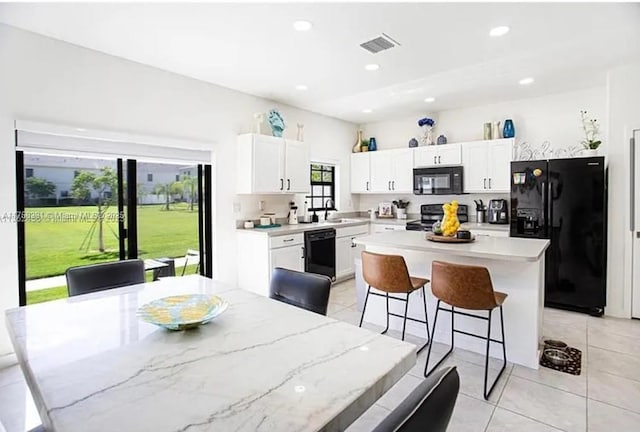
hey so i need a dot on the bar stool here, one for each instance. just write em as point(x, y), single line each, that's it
point(388, 273)
point(467, 287)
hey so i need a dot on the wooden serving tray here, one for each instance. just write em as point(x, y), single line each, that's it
point(443, 239)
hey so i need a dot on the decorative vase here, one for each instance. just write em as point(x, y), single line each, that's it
point(357, 147)
point(509, 130)
point(413, 142)
point(276, 121)
point(495, 131)
point(442, 140)
point(427, 139)
point(300, 135)
point(486, 131)
point(372, 144)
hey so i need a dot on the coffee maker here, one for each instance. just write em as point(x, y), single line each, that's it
point(497, 213)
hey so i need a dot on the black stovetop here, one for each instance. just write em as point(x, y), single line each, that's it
point(430, 213)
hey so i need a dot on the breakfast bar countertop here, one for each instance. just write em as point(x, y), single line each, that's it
point(501, 248)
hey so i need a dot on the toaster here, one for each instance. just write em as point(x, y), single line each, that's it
point(497, 212)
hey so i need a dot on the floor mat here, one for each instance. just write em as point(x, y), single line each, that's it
point(574, 366)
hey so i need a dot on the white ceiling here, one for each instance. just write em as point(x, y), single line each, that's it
point(446, 50)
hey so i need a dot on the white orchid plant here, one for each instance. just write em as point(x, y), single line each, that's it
point(591, 129)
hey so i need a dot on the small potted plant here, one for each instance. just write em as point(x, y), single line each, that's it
point(401, 208)
point(591, 129)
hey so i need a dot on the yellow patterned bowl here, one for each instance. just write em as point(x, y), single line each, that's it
point(182, 312)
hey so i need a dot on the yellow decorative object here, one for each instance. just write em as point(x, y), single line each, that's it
point(450, 223)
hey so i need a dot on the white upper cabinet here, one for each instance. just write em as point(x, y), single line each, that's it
point(487, 165)
point(436, 155)
point(391, 171)
point(272, 165)
point(360, 181)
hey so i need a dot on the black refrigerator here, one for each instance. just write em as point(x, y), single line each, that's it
point(565, 201)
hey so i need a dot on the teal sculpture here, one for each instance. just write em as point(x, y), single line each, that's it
point(276, 122)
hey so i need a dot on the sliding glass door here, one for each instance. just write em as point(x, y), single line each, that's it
point(76, 211)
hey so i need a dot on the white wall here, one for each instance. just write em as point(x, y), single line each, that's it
point(623, 101)
point(55, 82)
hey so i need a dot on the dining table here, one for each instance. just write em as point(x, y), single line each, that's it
point(92, 363)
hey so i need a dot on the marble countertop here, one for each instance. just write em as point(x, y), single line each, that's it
point(485, 226)
point(501, 248)
point(92, 365)
point(302, 227)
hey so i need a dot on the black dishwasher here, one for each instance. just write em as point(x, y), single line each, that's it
point(320, 252)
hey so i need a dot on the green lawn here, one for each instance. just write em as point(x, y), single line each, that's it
point(53, 243)
point(56, 293)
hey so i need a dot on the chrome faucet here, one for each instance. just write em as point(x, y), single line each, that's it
point(326, 208)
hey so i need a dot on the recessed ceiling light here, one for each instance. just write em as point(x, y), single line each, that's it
point(80, 129)
point(301, 87)
point(302, 25)
point(526, 81)
point(430, 99)
point(499, 31)
point(367, 110)
point(372, 67)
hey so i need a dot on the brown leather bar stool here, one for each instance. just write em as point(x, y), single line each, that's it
point(388, 273)
point(467, 287)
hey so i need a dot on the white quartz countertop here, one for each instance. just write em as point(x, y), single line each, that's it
point(302, 227)
point(501, 248)
point(485, 226)
point(93, 365)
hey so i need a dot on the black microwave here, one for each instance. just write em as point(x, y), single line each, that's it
point(437, 181)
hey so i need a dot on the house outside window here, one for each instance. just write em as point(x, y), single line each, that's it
point(323, 186)
point(149, 177)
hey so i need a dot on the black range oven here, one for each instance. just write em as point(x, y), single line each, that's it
point(430, 213)
point(437, 181)
point(320, 252)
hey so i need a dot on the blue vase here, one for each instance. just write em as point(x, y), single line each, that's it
point(509, 131)
point(372, 144)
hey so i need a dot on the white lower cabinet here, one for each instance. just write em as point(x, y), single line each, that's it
point(346, 249)
point(290, 257)
point(380, 228)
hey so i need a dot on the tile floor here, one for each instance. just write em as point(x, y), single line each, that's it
point(605, 397)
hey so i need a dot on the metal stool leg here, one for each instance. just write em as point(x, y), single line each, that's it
point(504, 355)
point(387, 327)
point(364, 308)
point(404, 321)
point(427, 372)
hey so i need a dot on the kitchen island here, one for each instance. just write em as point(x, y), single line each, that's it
point(516, 266)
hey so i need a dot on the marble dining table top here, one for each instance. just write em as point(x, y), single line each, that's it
point(93, 365)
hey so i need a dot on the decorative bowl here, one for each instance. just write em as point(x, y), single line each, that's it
point(556, 356)
point(182, 312)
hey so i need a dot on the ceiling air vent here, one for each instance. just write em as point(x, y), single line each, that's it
point(380, 43)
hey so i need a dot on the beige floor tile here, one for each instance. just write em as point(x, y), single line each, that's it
point(369, 420)
point(606, 418)
point(334, 308)
point(618, 326)
point(607, 340)
point(614, 390)
point(624, 365)
point(398, 392)
point(545, 404)
point(470, 415)
point(563, 381)
point(507, 421)
point(17, 409)
point(347, 315)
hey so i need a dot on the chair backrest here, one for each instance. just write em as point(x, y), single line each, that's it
point(168, 271)
point(428, 407)
point(308, 291)
point(386, 272)
point(464, 286)
point(98, 277)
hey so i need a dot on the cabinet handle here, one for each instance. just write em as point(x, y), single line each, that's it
point(367, 185)
point(352, 243)
point(434, 160)
point(393, 185)
point(281, 184)
point(439, 161)
point(389, 186)
point(388, 229)
point(485, 183)
point(287, 240)
point(489, 182)
point(302, 252)
point(288, 184)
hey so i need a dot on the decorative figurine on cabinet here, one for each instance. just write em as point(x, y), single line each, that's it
point(276, 122)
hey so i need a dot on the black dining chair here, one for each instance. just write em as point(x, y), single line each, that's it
point(308, 291)
point(428, 407)
point(104, 276)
